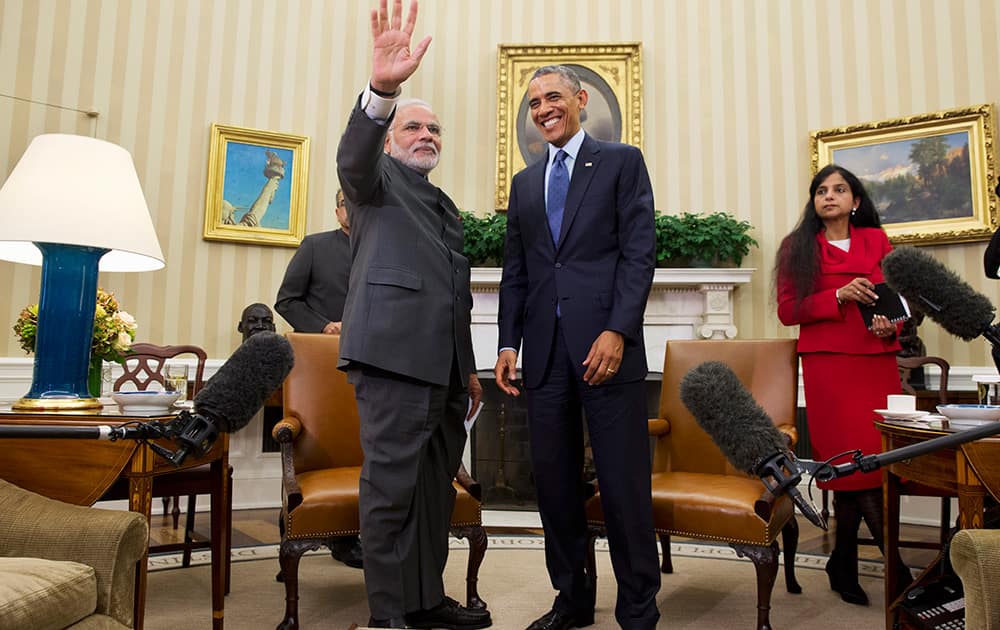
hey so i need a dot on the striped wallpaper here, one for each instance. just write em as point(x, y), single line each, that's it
point(731, 87)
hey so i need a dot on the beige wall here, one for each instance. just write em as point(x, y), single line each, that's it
point(732, 89)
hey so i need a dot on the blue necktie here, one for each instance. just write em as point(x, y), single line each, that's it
point(558, 185)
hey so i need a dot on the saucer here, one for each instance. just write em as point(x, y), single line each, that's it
point(904, 415)
point(147, 401)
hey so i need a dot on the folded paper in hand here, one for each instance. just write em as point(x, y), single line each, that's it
point(889, 303)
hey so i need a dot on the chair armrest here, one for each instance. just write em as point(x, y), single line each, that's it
point(791, 434)
point(287, 429)
point(659, 426)
point(764, 505)
point(471, 486)
point(110, 541)
point(285, 432)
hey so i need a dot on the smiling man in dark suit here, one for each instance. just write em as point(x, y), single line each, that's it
point(578, 266)
point(406, 341)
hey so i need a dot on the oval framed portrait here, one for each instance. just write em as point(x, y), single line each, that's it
point(612, 75)
point(601, 118)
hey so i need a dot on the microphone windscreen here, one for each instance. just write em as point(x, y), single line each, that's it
point(938, 292)
point(727, 412)
point(241, 385)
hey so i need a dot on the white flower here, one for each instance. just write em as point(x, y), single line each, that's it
point(122, 342)
point(126, 319)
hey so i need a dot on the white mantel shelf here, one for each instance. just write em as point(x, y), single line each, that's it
point(683, 304)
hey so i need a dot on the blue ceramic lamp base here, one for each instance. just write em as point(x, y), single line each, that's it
point(65, 330)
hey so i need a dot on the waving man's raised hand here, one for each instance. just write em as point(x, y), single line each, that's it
point(392, 59)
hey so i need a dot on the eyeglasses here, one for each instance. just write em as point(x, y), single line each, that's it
point(414, 127)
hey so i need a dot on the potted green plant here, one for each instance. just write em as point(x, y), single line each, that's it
point(484, 238)
point(702, 240)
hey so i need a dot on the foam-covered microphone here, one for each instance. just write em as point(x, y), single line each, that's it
point(744, 432)
point(236, 392)
point(938, 292)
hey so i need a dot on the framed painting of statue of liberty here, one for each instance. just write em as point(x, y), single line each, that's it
point(257, 187)
point(930, 175)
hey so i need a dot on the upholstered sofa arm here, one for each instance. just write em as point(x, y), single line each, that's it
point(110, 541)
point(975, 554)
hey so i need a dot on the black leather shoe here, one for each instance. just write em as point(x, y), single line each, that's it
point(451, 615)
point(850, 593)
point(347, 550)
point(386, 623)
point(559, 620)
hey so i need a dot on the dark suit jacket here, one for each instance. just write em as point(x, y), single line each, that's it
point(314, 289)
point(600, 272)
point(409, 303)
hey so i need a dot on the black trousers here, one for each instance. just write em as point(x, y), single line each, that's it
point(412, 435)
point(617, 425)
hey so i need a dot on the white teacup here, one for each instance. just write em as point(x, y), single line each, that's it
point(901, 402)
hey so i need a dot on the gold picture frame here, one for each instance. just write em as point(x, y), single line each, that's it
point(612, 75)
point(257, 187)
point(929, 174)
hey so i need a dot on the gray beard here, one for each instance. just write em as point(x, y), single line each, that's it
point(422, 165)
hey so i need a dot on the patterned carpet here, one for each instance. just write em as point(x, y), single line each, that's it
point(710, 588)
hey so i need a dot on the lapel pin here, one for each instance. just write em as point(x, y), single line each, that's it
point(589, 164)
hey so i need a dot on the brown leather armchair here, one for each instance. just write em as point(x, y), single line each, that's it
point(696, 492)
point(321, 467)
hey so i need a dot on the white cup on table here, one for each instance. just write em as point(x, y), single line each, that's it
point(901, 402)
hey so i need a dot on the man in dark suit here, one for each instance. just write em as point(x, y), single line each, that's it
point(311, 296)
point(407, 342)
point(578, 266)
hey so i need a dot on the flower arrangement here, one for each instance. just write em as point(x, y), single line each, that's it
point(114, 329)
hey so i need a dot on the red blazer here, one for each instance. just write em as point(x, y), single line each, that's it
point(824, 325)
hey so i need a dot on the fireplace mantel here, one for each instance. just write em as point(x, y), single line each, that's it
point(683, 304)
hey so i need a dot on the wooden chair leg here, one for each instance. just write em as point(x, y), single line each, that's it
point(476, 535)
point(790, 545)
point(666, 564)
point(176, 512)
point(188, 529)
point(229, 526)
point(289, 555)
point(765, 561)
point(166, 506)
point(945, 521)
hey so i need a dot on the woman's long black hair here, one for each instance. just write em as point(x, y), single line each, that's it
point(798, 256)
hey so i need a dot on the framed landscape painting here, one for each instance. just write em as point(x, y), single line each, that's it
point(257, 186)
point(610, 73)
point(930, 175)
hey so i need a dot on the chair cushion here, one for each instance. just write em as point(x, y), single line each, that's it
point(708, 506)
point(36, 593)
point(330, 505)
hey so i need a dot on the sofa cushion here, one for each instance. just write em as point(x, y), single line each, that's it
point(36, 593)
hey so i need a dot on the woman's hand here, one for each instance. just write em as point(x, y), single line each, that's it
point(858, 290)
point(882, 327)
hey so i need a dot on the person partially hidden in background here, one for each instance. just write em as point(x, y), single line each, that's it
point(825, 267)
point(255, 318)
point(312, 294)
point(311, 298)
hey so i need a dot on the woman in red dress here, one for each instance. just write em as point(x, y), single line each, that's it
point(827, 264)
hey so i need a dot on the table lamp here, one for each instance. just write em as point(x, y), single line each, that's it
point(72, 204)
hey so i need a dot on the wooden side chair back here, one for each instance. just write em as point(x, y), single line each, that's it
point(145, 368)
point(321, 460)
point(696, 492)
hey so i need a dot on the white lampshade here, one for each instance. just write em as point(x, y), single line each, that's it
point(77, 190)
